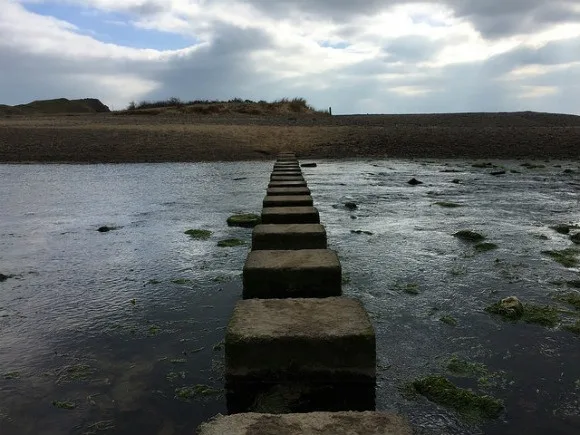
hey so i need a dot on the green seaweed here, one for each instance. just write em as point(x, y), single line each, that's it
point(154, 330)
point(181, 281)
point(230, 243)
point(173, 376)
point(566, 257)
point(448, 320)
point(469, 236)
point(244, 220)
point(485, 247)
point(537, 314)
point(64, 404)
point(440, 390)
point(446, 204)
point(12, 375)
point(572, 298)
point(573, 327)
point(187, 393)
point(461, 367)
point(199, 234)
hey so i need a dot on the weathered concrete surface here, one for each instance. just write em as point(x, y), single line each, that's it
point(285, 174)
point(307, 273)
point(290, 215)
point(286, 178)
point(284, 191)
point(314, 423)
point(293, 236)
point(270, 340)
point(287, 201)
point(277, 184)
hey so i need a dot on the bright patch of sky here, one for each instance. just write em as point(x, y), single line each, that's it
point(111, 27)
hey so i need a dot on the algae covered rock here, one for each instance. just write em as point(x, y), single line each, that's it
point(244, 220)
point(510, 308)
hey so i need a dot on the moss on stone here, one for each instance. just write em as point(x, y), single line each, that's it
point(469, 236)
point(244, 220)
point(230, 243)
point(446, 204)
point(440, 390)
point(199, 234)
point(566, 257)
point(485, 247)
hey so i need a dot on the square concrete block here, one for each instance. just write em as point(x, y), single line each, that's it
point(306, 273)
point(319, 423)
point(288, 201)
point(310, 340)
point(292, 236)
point(284, 184)
point(283, 191)
point(290, 215)
point(274, 177)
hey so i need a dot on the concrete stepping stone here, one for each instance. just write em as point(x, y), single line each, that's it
point(305, 340)
point(284, 184)
point(286, 165)
point(284, 191)
point(275, 177)
point(319, 423)
point(292, 236)
point(304, 273)
point(290, 215)
point(286, 174)
point(287, 201)
point(288, 160)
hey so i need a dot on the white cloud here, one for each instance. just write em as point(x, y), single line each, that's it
point(397, 55)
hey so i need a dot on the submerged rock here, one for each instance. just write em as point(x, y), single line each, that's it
point(469, 236)
point(414, 182)
point(575, 238)
point(106, 229)
point(511, 307)
point(497, 173)
point(4, 277)
point(350, 205)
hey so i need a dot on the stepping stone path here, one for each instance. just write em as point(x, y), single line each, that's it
point(294, 332)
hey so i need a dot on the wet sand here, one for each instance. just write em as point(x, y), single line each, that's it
point(183, 138)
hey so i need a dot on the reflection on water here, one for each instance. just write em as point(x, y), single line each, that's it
point(125, 327)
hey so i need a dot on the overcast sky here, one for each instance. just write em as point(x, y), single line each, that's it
point(358, 56)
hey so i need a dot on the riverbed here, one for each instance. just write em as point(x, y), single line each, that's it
point(100, 332)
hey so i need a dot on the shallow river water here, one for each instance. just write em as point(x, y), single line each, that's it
point(113, 324)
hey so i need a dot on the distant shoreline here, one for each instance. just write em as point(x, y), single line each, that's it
point(110, 138)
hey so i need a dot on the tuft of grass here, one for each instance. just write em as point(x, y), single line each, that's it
point(469, 236)
point(244, 220)
point(230, 243)
point(566, 257)
point(485, 247)
point(440, 390)
point(448, 320)
point(446, 204)
point(64, 405)
point(199, 234)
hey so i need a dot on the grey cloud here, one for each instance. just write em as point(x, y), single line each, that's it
point(412, 48)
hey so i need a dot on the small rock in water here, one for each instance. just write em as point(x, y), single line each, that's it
point(575, 238)
point(3, 277)
point(308, 165)
point(350, 205)
point(456, 181)
point(105, 229)
point(497, 173)
point(414, 182)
